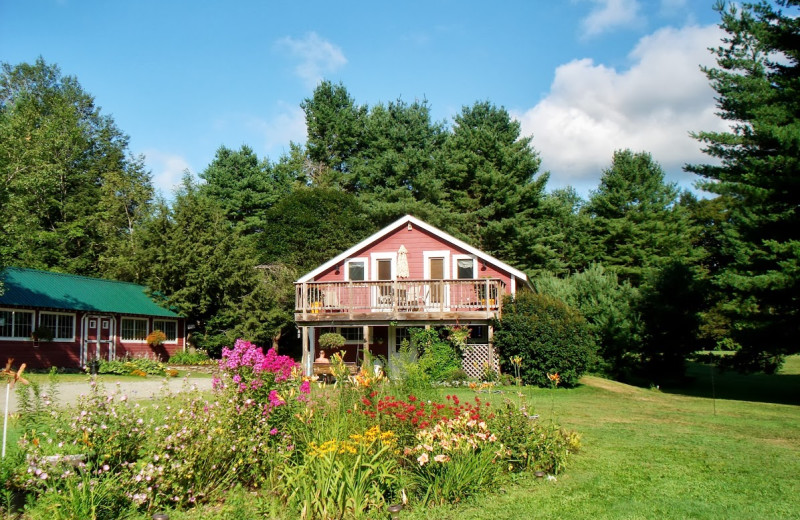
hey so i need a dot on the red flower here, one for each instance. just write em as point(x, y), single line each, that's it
point(411, 398)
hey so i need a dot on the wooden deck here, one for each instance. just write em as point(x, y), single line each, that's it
point(399, 300)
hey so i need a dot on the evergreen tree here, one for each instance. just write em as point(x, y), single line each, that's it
point(335, 130)
point(637, 224)
point(244, 186)
point(757, 80)
point(489, 178)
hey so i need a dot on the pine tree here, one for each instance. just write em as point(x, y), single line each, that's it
point(637, 224)
point(757, 80)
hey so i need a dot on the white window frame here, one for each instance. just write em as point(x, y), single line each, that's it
point(474, 259)
point(165, 320)
point(361, 259)
point(14, 312)
point(426, 268)
point(351, 341)
point(74, 324)
point(389, 255)
point(122, 329)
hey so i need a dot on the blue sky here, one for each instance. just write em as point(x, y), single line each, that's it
point(584, 77)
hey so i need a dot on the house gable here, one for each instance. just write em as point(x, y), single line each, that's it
point(417, 237)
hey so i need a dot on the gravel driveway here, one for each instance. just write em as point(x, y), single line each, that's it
point(144, 389)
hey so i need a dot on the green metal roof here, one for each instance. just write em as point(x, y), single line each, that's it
point(32, 288)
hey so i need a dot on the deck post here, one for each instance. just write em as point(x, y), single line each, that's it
point(307, 357)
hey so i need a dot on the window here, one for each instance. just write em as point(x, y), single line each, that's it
point(478, 334)
point(352, 334)
point(356, 270)
point(16, 324)
point(465, 268)
point(134, 329)
point(168, 327)
point(61, 325)
point(400, 334)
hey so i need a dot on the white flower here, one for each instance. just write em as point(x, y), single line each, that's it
point(422, 459)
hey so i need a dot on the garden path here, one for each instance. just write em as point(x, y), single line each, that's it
point(69, 392)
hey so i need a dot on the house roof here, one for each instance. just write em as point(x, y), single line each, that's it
point(422, 225)
point(44, 289)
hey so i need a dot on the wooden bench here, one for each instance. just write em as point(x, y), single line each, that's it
point(325, 372)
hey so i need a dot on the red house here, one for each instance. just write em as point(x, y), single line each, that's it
point(409, 274)
point(54, 319)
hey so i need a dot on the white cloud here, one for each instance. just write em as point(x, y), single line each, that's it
point(168, 170)
point(610, 14)
point(593, 110)
point(316, 57)
point(288, 125)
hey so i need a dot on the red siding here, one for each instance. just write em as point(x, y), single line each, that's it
point(67, 353)
point(416, 241)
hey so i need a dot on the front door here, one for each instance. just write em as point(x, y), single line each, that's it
point(99, 342)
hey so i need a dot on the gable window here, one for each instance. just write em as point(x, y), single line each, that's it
point(61, 325)
point(356, 270)
point(133, 329)
point(168, 327)
point(465, 268)
point(16, 324)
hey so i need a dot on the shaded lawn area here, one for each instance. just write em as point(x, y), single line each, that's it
point(648, 454)
point(705, 380)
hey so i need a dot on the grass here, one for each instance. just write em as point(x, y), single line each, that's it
point(649, 454)
point(671, 454)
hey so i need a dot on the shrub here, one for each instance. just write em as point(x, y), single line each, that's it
point(190, 357)
point(132, 366)
point(456, 374)
point(530, 444)
point(331, 341)
point(547, 335)
point(438, 356)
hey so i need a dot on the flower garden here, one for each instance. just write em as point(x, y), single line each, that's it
point(299, 448)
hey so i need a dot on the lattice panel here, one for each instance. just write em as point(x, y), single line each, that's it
point(475, 356)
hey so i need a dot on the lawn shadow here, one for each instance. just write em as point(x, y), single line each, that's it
point(706, 380)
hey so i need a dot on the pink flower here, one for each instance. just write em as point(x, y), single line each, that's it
point(422, 459)
point(305, 387)
point(273, 431)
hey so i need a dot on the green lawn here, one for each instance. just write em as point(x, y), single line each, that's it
point(649, 454)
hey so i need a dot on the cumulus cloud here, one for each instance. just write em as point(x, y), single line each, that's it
point(593, 110)
point(168, 170)
point(316, 56)
point(610, 14)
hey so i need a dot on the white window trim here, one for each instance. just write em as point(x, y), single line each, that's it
point(474, 259)
point(170, 342)
point(33, 325)
point(134, 340)
point(426, 268)
point(347, 263)
point(74, 324)
point(390, 255)
point(338, 330)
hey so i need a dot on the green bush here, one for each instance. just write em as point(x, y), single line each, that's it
point(190, 357)
point(549, 336)
point(438, 356)
point(456, 374)
point(128, 366)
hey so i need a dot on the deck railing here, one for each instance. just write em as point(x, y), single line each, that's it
point(399, 296)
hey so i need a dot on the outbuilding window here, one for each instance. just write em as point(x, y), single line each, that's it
point(16, 324)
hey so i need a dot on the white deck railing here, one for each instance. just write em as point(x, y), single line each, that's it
point(399, 296)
